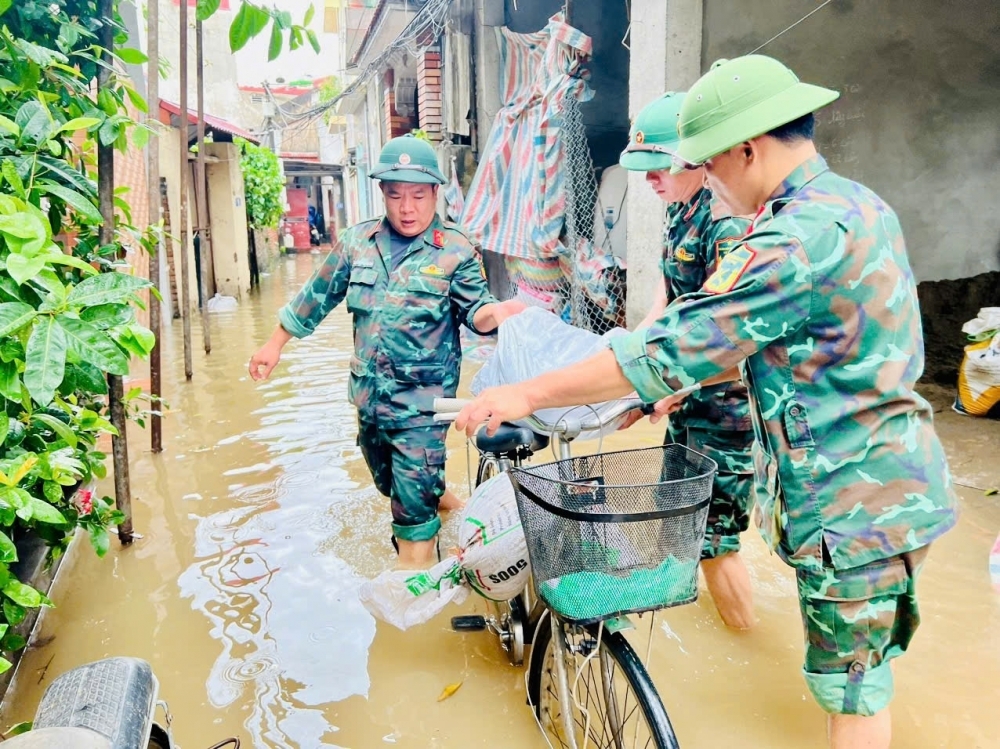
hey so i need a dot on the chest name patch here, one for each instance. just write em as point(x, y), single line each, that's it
point(731, 269)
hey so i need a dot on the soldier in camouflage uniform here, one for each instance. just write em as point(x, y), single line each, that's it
point(715, 421)
point(818, 308)
point(410, 280)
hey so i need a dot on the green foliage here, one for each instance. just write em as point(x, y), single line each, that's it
point(263, 185)
point(328, 91)
point(252, 19)
point(67, 315)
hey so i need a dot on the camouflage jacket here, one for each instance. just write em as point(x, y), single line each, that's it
point(406, 321)
point(695, 238)
point(818, 306)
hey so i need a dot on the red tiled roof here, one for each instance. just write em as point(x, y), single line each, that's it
point(215, 123)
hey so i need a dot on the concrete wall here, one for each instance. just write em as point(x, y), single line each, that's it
point(670, 36)
point(918, 117)
point(488, 16)
point(227, 208)
point(222, 97)
point(918, 122)
point(606, 115)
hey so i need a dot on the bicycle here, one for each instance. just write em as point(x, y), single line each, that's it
point(590, 526)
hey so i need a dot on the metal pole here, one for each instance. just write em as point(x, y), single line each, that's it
point(185, 169)
point(106, 193)
point(153, 198)
point(201, 191)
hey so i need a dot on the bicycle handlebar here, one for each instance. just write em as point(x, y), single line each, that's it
point(446, 410)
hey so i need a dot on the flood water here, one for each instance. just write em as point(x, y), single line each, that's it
point(259, 523)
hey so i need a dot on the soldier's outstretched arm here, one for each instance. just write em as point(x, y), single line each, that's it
point(321, 293)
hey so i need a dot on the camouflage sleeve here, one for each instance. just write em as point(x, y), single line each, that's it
point(321, 293)
point(761, 292)
point(469, 291)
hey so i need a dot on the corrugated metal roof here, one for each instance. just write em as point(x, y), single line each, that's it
point(211, 122)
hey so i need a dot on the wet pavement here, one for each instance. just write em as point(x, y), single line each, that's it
point(259, 523)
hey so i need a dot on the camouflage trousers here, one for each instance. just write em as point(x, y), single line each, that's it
point(407, 466)
point(856, 621)
point(732, 492)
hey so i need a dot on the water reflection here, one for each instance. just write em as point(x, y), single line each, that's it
point(281, 602)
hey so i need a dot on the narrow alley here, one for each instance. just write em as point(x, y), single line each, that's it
point(259, 523)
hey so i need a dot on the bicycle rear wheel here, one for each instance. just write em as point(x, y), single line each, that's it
point(613, 688)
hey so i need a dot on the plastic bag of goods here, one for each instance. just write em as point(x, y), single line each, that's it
point(979, 375)
point(535, 342)
point(491, 559)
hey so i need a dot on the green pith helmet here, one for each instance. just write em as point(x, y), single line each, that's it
point(740, 99)
point(653, 138)
point(408, 159)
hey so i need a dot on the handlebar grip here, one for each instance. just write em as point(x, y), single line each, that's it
point(450, 405)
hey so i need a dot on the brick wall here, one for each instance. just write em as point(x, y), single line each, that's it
point(130, 172)
point(429, 92)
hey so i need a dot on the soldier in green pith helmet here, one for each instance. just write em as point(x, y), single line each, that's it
point(410, 280)
point(817, 307)
point(699, 231)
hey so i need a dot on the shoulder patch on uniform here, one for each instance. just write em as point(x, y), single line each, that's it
point(730, 270)
point(438, 238)
point(724, 246)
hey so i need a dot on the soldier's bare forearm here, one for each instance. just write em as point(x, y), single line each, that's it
point(279, 337)
point(593, 380)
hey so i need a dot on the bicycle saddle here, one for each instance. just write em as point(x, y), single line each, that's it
point(510, 437)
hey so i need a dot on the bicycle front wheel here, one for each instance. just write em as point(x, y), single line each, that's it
point(610, 695)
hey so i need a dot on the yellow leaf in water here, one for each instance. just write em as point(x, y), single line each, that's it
point(449, 691)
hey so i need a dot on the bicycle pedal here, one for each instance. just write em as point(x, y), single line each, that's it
point(468, 623)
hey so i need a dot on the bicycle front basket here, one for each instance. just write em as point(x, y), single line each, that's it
point(616, 533)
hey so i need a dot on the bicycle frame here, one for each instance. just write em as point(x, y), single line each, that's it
point(535, 609)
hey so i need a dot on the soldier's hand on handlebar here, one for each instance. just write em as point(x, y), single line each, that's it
point(665, 407)
point(494, 406)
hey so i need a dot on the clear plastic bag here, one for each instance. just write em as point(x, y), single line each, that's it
point(537, 341)
point(492, 559)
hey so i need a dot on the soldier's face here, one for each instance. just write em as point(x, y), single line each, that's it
point(732, 178)
point(410, 207)
point(675, 188)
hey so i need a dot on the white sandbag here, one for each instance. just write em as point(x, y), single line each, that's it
point(492, 559)
point(979, 374)
point(494, 555)
point(986, 324)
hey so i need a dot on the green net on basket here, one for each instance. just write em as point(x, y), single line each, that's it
point(590, 595)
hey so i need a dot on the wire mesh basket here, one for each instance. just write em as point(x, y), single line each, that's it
point(616, 533)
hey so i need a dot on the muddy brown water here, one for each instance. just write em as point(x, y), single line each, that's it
point(260, 522)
